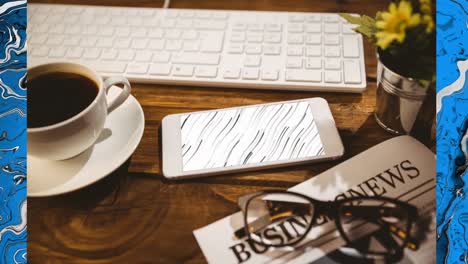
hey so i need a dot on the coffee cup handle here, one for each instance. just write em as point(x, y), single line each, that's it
point(111, 81)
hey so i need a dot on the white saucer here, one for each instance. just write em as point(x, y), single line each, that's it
point(121, 135)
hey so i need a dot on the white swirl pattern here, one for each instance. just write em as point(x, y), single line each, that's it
point(249, 135)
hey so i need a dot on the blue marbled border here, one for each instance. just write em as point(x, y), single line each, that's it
point(452, 122)
point(13, 233)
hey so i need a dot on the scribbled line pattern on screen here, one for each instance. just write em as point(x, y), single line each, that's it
point(13, 233)
point(249, 135)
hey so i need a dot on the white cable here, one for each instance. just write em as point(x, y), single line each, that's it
point(166, 3)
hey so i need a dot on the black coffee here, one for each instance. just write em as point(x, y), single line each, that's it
point(55, 97)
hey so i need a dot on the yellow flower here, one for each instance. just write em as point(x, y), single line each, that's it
point(425, 6)
point(429, 23)
point(392, 25)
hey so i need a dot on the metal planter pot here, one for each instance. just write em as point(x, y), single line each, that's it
point(403, 105)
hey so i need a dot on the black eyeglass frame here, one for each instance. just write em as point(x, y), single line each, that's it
point(331, 209)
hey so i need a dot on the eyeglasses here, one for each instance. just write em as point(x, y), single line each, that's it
point(381, 225)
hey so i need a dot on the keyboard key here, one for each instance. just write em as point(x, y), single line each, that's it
point(237, 37)
point(202, 14)
point(104, 42)
point(74, 52)
point(54, 40)
point(109, 54)
point(313, 51)
point(333, 76)
point(211, 42)
point(88, 42)
point(126, 55)
point(254, 37)
point(184, 23)
point(313, 28)
point(252, 61)
point(122, 43)
point(38, 39)
point(195, 58)
point(236, 48)
point(294, 51)
point(331, 28)
point(296, 18)
point(123, 32)
point(41, 51)
point(332, 40)
point(74, 29)
point(250, 74)
point(239, 26)
point(156, 44)
point(173, 45)
point(162, 56)
point(269, 74)
point(184, 71)
point(304, 75)
point(138, 32)
point(155, 33)
point(168, 23)
point(209, 24)
point(295, 27)
point(57, 52)
point(273, 27)
point(139, 43)
point(255, 27)
point(253, 49)
point(111, 66)
point(333, 64)
point(91, 53)
point(137, 68)
point(143, 56)
point(231, 73)
point(350, 46)
point(186, 14)
point(313, 17)
point(106, 31)
point(313, 39)
point(313, 63)
point(295, 39)
point(206, 72)
point(172, 34)
point(272, 50)
point(190, 34)
point(352, 72)
point(220, 15)
point(332, 51)
point(273, 38)
point(331, 18)
point(56, 29)
point(294, 62)
point(191, 45)
point(159, 69)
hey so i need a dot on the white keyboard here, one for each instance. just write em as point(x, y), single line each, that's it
point(244, 49)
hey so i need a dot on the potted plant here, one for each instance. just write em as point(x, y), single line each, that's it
point(404, 37)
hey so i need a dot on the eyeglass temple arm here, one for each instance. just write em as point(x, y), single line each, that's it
point(373, 211)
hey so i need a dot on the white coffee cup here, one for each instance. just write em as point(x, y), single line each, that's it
point(72, 136)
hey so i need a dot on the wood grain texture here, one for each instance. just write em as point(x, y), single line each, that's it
point(135, 215)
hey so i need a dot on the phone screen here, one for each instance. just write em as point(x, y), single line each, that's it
point(249, 135)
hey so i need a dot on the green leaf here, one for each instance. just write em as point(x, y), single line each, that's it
point(368, 21)
point(366, 31)
point(351, 19)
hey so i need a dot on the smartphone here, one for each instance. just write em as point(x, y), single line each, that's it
point(249, 138)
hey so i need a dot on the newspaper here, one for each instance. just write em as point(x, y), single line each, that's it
point(401, 168)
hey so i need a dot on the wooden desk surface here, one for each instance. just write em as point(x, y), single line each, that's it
point(135, 215)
